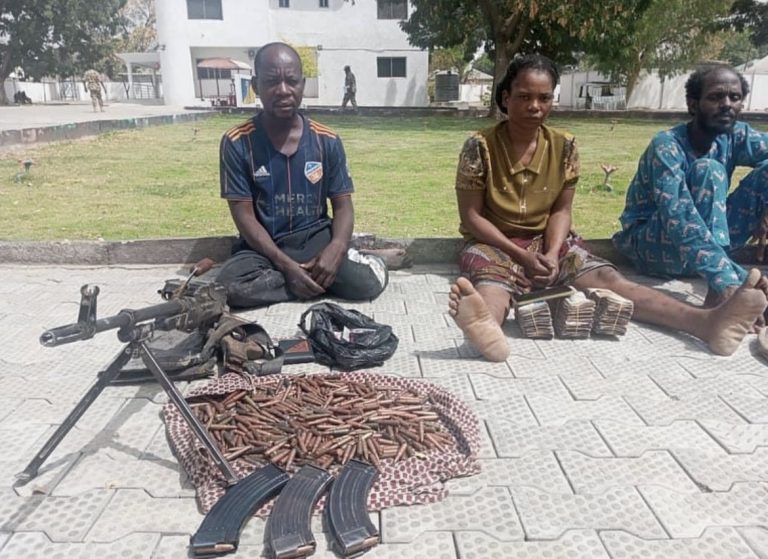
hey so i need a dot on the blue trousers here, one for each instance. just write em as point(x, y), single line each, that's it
point(732, 223)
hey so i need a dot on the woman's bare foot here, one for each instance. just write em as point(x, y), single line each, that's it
point(730, 321)
point(471, 314)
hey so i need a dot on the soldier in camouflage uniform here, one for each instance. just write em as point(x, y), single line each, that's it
point(93, 85)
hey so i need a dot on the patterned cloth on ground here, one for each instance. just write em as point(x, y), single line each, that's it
point(410, 481)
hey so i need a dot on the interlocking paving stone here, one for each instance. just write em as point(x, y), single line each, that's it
point(66, 519)
point(687, 516)
point(589, 387)
point(494, 388)
point(591, 370)
point(519, 347)
point(737, 438)
point(642, 367)
point(19, 440)
point(174, 547)
point(133, 510)
point(554, 411)
point(47, 387)
point(742, 363)
point(537, 469)
point(575, 544)
point(633, 440)
point(664, 412)
point(444, 367)
point(593, 476)
point(437, 545)
point(15, 509)
point(547, 516)
point(561, 350)
point(524, 368)
point(672, 344)
point(757, 538)
point(401, 364)
point(724, 384)
point(489, 510)
point(38, 411)
point(425, 332)
point(423, 323)
point(35, 545)
point(159, 448)
point(115, 470)
point(714, 543)
point(755, 410)
point(487, 449)
point(512, 440)
point(514, 409)
point(719, 472)
point(458, 385)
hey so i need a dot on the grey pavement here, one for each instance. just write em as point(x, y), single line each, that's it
point(645, 446)
point(16, 117)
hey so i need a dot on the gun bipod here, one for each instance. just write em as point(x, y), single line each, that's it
point(220, 531)
point(289, 530)
point(347, 509)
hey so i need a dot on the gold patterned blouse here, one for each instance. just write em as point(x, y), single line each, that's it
point(518, 198)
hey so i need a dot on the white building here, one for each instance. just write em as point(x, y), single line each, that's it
point(651, 92)
point(364, 35)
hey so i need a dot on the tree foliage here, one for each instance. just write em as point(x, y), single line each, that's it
point(55, 37)
point(138, 30)
point(556, 28)
point(751, 17)
point(669, 36)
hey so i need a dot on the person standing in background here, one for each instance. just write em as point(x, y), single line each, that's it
point(350, 89)
point(93, 85)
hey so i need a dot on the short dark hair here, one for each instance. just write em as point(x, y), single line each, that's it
point(347, 69)
point(695, 84)
point(257, 61)
point(518, 65)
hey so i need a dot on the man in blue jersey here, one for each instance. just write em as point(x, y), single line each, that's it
point(679, 219)
point(277, 171)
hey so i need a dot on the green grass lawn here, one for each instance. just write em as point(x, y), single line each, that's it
point(163, 181)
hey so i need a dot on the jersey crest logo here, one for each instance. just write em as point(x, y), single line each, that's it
point(261, 172)
point(313, 170)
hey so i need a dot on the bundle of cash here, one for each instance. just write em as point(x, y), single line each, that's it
point(612, 313)
point(573, 316)
point(535, 320)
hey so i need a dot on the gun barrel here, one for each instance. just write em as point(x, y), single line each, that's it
point(126, 318)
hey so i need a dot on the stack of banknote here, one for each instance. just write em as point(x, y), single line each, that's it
point(535, 320)
point(612, 313)
point(573, 316)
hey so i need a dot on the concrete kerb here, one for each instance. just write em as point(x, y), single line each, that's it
point(77, 130)
point(187, 250)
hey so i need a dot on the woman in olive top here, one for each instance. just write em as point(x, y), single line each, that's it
point(515, 185)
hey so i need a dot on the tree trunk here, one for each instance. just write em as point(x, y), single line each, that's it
point(499, 68)
point(633, 74)
point(5, 71)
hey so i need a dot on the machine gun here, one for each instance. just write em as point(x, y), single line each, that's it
point(187, 313)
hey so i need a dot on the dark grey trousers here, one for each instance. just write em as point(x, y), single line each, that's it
point(252, 280)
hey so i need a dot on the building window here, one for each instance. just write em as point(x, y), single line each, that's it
point(204, 9)
point(391, 67)
point(284, 4)
point(392, 9)
point(212, 73)
point(323, 3)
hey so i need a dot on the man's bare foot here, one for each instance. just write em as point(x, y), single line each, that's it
point(471, 314)
point(730, 321)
